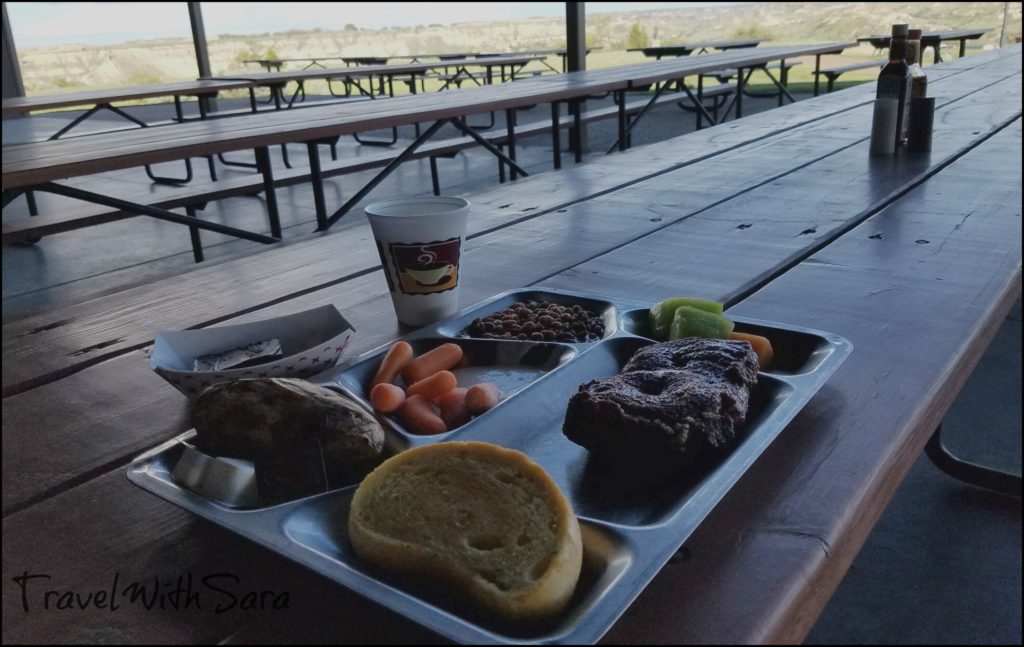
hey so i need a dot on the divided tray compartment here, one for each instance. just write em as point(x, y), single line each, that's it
point(628, 535)
point(511, 365)
point(456, 326)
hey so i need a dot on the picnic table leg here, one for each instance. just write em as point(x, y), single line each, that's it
point(30, 199)
point(643, 111)
point(141, 124)
point(739, 93)
point(971, 473)
point(202, 117)
point(461, 124)
point(412, 90)
point(700, 99)
point(300, 88)
point(510, 132)
point(317, 180)
point(387, 170)
point(817, 72)
point(159, 179)
point(193, 233)
point(938, 54)
point(85, 115)
point(783, 91)
point(698, 102)
point(154, 212)
point(576, 134)
point(621, 98)
point(963, 47)
point(267, 171)
point(784, 77)
point(33, 210)
point(435, 180)
point(556, 136)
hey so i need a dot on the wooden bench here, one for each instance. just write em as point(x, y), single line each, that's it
point(834, 73)
point(198, 194)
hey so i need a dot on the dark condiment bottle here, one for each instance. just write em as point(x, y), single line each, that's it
point(918, 79)
point(894, 80)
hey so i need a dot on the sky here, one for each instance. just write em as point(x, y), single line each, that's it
point(53, 23)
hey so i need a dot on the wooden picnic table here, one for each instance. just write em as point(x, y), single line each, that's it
point(560, 52)
point(103, 99)
point(276, 81)
point(933, 39)
point(275, 63)
point(699, 47)
point(33, 167)
point(784, 216)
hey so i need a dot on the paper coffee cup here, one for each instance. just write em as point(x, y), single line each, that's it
point(420, 245)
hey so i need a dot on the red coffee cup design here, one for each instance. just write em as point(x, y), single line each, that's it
point(425, 268)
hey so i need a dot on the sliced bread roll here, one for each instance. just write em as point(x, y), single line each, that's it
point(486, 522)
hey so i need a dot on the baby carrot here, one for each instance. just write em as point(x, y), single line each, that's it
point(441, 358)
point(760, 344)
point(453, 408)
point(397, 358)
point(417, 414)
point(481, 397)
point(387, 397)
point(433, 386)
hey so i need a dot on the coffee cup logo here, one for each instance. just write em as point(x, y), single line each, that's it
point(425, 268)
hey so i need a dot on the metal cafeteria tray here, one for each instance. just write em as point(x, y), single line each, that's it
point(627, 536)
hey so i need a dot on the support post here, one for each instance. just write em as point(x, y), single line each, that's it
point(195, 17)
point(556, 136)
point(1002, 32)
point(12, 85)
point(576, 57)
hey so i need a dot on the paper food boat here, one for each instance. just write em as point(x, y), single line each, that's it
point(311, 341)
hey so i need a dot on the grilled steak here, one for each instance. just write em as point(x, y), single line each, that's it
point(672, 401)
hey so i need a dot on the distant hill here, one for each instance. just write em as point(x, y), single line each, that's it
point(65, 68)
point(808, 21)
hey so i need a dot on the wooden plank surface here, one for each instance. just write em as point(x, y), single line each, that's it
point(28, 164)
point(53, 343)
point(590, 229)
point(545, 244)
point(813, 498)
point(772, 521)
point(20, 105)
